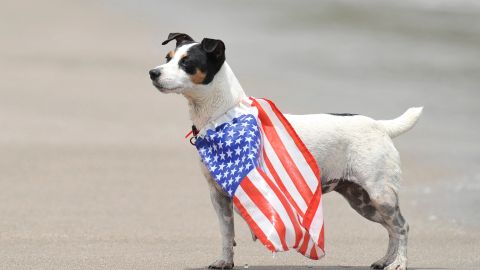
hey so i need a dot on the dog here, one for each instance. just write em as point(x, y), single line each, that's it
point(355, 153)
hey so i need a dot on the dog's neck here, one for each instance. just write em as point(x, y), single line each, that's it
point(220, 95)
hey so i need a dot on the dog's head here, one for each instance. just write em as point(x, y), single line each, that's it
point(191, 66)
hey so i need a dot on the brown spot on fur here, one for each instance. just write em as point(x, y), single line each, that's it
point(170, 54)
point(198, 77)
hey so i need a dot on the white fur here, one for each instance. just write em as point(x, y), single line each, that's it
point(403, 123)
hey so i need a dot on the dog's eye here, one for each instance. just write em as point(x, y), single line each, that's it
point(168, 57)
point(184, 62)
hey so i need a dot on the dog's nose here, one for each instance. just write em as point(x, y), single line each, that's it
point(154, 73)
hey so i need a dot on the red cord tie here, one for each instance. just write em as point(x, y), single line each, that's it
point(195, 132)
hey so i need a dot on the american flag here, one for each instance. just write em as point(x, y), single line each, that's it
point(255, 156)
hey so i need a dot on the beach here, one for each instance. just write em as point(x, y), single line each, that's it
point(95, 172)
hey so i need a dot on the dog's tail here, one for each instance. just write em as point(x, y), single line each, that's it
point(403, 123)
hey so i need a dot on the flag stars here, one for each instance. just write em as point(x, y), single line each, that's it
point(231, 133)
point(221, 166)
point(230, 151)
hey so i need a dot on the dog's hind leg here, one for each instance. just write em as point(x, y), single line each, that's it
point(384, 210)
point(387, 205)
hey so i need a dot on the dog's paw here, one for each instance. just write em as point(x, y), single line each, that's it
point(398, 264)
point(221, 264)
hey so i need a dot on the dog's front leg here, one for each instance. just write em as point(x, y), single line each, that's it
point(224, 209)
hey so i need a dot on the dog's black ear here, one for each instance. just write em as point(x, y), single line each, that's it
point(214, 47)
point(179, 37)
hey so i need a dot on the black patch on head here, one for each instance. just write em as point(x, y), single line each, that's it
point(208, 57)
point(181, 39)
point(343, 114)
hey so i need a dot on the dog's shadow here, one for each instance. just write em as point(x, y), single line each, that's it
point(297, 267)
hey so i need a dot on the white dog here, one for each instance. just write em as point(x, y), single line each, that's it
point(355, 153)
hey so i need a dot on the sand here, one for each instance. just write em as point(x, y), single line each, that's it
point(95, 173)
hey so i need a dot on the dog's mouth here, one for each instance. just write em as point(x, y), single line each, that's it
point(164, 89)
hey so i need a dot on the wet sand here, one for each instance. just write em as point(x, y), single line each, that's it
point(94, 170)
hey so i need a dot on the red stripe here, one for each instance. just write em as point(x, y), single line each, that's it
point(266, 208)
point(313, 253)
point(253, 225)
point(280, 184)
point(306, 154)
point(286, 206)
point(312, 208)
point(303, 248)
point(283, 155)
point(320, 240)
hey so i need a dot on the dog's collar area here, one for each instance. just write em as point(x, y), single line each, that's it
point(193, 132)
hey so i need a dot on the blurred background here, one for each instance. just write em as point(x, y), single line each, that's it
point(94, 170)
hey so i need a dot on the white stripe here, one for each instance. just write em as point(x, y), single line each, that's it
point(258, 181)
point(297, 157)
point(259, 218)
point(319, 251)
point(262, 164)
point(284, 177)
point(317, 223)
point(311, 244)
